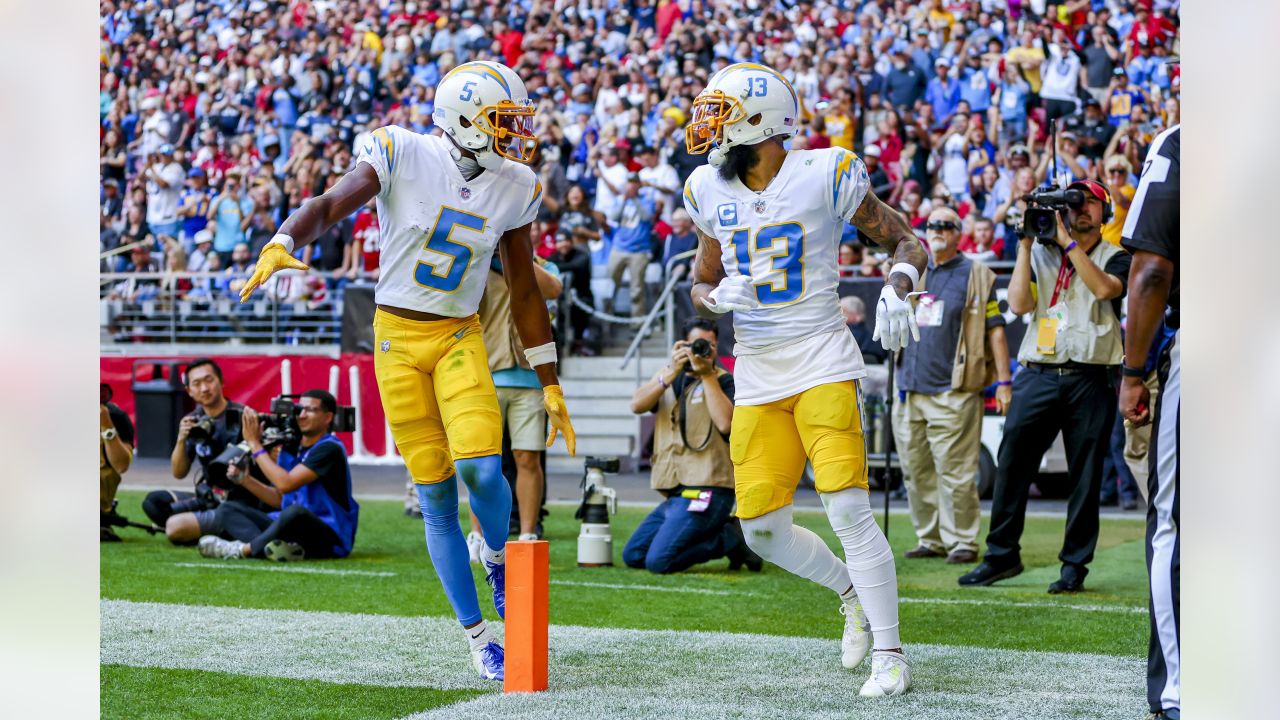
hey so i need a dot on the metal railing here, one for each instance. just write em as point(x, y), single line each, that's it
point(204, 307)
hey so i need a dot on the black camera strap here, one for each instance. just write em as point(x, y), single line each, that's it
point(681, 410)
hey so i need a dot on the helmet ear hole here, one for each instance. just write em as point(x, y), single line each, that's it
point(464, 122)
point(755, 119)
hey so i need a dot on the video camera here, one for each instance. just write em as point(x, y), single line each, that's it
point(279, 427)
point(1043, 206)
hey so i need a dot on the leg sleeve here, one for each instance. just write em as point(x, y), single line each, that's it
point(448, 549)
point(490, 497)
point(799, 551)
point(869, 560)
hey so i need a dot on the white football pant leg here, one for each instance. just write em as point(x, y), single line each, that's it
point(797, 550)
point(870, 562)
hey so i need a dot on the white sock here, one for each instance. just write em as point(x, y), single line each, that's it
point(870, 562)
point(797, 550)
point(849, 597)
point(479, 635)
point(493, 557)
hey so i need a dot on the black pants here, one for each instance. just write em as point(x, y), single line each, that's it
point(159, 507)
point(296, 524)
point(1164, 687)
point(1082, 405)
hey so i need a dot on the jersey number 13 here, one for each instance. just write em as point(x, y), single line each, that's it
point(783, 245)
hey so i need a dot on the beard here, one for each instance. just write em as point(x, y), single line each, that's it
point(738, 160)
point(937, 246)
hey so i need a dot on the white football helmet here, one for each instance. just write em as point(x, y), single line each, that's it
point(742, 104)
point(484, 107)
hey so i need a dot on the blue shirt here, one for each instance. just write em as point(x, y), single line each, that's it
point(227, 228)
point(516, 377)
point(943, 96)
point(976, 90)
point(635, 226)
point(1013, 101)
point(200, 199)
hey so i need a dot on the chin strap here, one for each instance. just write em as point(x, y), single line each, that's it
point(470, 167)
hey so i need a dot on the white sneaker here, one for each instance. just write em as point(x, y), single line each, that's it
point(212, 546)
point(857, 635)
point(474, 543)
point(890, 675)
point(528, 536)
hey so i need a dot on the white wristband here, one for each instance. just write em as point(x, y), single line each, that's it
point(541, 355)
point(909, 270)
point(285, 240)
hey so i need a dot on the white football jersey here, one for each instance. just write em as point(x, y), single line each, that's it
point(786, 239)
point(437, 230)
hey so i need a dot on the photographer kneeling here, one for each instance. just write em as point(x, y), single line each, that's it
point(318, 515)
point(692, 401)
point(202, 436)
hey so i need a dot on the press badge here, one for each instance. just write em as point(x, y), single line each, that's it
point(1050, 328)
point(929, 310)
point(699, 500)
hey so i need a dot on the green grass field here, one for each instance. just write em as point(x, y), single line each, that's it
point(388, 582)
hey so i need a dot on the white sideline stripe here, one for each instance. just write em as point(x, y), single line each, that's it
point(659, 588)
point(654, 588)
point(1127, 609)
point(251, 565)
point(608, 672)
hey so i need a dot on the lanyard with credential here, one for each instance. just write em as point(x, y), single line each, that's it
point(1065, 272)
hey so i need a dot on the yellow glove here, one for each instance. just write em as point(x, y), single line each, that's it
point(553, 401)
point(273, 259)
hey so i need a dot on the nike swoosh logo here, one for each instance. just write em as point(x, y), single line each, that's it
point(458, 335)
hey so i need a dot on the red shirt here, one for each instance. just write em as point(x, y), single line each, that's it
point(1157, 30)
point(512, 43)
point(819, 141)
point(667, 16)
point(364, 233)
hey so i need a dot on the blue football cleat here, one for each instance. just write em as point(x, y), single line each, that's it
point(496, 576)
point(488, 661)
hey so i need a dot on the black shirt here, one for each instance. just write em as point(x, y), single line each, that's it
point(328, 460)
point(1153, 221)
point(226, 431)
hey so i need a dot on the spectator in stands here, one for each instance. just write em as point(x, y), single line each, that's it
point(962, 350)
point(983, 246)
point(658, 182)
point(943, 91)
point(238, 270)
point(193, 205)
point(1066, 385)
point(163, 177)
point(111, 212)
point(692, 402)
point(1060, 78)
point(228, 212)
point(1093, 131)
point(1100, 58)
point(631, 242)
point(199, 259)
point(682, 239)
point(881, 184)
point(364, 245)
point(855, 317)
point(584, 223)
point(1118, 181)
point(612, 176)
point(574, 260)
point(317, 516)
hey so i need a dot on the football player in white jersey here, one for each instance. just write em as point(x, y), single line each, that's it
point(444, 203)
point(769, 221)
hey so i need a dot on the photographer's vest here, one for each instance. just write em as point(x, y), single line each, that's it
point(315, 498)
point(974, 365)
point(674, 463)
point(501, 341)
point(1092, 332)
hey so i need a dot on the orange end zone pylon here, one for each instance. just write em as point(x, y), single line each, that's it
point(526, 621)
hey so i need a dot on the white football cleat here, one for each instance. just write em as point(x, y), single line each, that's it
point(890, 675)
point(857, 635)
point(474, 543)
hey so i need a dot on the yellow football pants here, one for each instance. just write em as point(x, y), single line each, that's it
point(437, 392)
point(769, 443)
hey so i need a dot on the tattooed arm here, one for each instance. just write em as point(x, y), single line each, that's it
point(890, 230)
point(708, 271)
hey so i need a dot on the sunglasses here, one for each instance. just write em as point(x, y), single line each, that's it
point(941, 225)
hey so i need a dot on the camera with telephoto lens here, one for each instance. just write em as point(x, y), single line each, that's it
point(700, 347)
point(1043, 206)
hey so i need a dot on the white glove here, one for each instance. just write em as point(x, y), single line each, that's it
point(894, 317)
point(733, 293)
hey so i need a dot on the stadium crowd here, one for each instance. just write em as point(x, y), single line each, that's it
point(220, 117)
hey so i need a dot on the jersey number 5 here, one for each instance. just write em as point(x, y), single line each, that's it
point(428, 274)
point(783, 245)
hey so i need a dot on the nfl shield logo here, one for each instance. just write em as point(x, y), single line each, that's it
point(465, 193)
point(759, 206)
point(386, 345)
